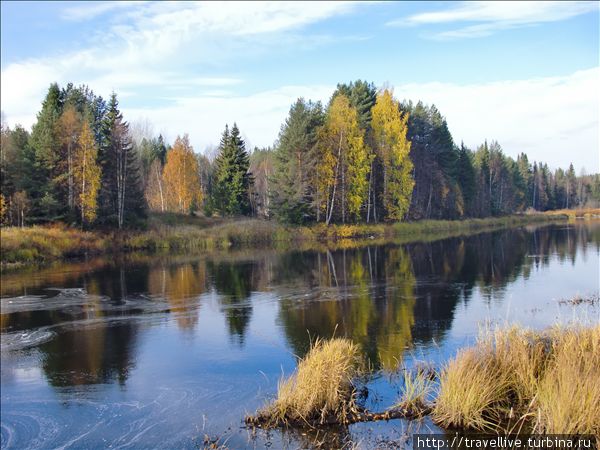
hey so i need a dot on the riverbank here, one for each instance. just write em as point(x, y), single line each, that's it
point(175, 233)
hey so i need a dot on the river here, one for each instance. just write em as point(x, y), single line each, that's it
point(141, 351)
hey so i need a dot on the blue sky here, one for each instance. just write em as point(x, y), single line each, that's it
point(525, 74)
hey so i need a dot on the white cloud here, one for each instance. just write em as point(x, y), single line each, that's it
point(148, 57)
point(156, 45)
point(90, 10)
point(495, 16)
point(259, 116)
point(552, 119)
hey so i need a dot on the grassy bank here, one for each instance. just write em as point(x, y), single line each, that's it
point(172, 233)
point(516, 379)
point(42, 244)
point(580, 213)
point(513, 380)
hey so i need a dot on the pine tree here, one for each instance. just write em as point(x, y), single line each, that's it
point(231, 179)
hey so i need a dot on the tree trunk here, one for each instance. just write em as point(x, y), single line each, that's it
point(162, 199)
point(337, 172)
point(70, 176)
point(82, 199)
point(369, 194)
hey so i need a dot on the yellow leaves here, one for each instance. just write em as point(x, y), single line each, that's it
point(181, 177)
point(69, 125)
point(344, 163)
point(154, 188)
point(3, 209)
point(87, 173)
point(393, 148)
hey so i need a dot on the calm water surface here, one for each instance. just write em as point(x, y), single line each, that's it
point(150, 352)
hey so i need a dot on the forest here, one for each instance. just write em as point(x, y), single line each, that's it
point(365, 157)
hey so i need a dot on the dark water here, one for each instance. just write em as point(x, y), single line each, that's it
point(151, 352)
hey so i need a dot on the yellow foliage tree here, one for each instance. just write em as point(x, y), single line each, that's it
point(69, 129)
point(154, 188)
point(87, 174)
point(343, 167)
point(392, 148)
point(3, 209)
point(181, 178)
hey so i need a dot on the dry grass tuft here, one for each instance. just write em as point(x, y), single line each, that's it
point(321, 391)
point(568, 396)
point(545, 381)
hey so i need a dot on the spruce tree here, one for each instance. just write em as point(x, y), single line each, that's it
point(232, 179)
point(465, 173)
point(291, 191)
point(44, 194)
point(121, 196)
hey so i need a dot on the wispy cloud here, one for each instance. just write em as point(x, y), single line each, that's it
point(552, 119)
point(90, 10)
point(538, 116)
point(204, 116)
point(173, 45)
point(490, 17)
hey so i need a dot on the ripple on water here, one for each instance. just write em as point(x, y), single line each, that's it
point(19, 340)
point(28, 429)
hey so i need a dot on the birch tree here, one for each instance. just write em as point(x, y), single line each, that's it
point(181, 177)
point(393, 149)
point(87, 175)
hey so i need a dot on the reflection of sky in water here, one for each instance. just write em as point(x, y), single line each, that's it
point(165, 351)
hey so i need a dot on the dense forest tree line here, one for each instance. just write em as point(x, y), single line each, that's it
point(364, 157)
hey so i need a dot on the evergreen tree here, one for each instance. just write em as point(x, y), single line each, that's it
point(465, 173)
point(121, 198)
point(526, 175)
point(44, 194)
point(232, 179)
point(434, 156)
point(291, 190)
point(570, 188)
point(362, 96)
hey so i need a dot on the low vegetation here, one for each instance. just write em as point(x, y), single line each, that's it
point(40, 244)
point(321, 391)
point(579, 213)
point(515, 379)
point(512, 380)
point(418, 386)
point(174, 232)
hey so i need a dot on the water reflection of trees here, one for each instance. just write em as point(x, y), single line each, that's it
point(386, 298)
point(235, 281)
point(181, 286)
point(365, 294)
point(389, 298)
